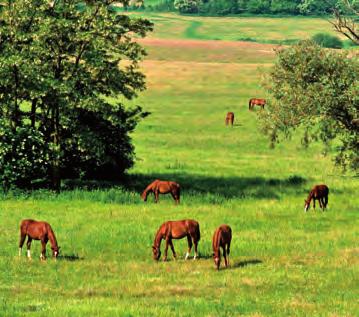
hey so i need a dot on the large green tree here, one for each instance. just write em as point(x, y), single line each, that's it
point(317, 90)
point(62, 63)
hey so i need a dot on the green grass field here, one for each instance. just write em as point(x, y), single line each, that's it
point(283, 262)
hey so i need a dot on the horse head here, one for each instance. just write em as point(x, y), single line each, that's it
point(55, 251)
point(217, 260)
point(306, 205)
point(156, 253)
point(144, 196)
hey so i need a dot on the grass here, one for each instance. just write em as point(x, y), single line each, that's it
point(284, 262)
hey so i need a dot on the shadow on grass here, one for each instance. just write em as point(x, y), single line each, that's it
point(225, 187)
point(70, 257)
point(246, 263)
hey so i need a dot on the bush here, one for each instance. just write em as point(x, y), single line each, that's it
point(327, 40)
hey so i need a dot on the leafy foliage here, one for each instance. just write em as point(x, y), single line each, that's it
point(317, 90)
point(187, 6)
point(59, 64)
point(327, 40)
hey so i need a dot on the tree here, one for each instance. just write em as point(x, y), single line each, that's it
point(187, 6)
point(61, 65)
point(316, 90)
point(345, 13)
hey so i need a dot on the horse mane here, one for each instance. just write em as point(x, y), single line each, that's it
point(51, 236)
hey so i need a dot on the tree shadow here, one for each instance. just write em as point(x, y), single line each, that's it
point(221, 187)
point(70, 257)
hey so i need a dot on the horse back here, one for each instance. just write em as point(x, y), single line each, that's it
point(222, 236)
point(34, 229)
point(320, 190)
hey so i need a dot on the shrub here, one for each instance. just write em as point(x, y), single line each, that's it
point(327, 40)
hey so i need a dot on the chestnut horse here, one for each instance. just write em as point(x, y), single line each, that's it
point(320, 193)
point(162, 187)
point(230, 118)
point(176, 230)
point(221, 239)
point(37, 230)
point(256, 102)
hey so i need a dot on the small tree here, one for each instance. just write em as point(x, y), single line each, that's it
point(318, 90)
point(60, 63)
point(187, 6)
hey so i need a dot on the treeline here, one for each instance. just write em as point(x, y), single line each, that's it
point(229, 7)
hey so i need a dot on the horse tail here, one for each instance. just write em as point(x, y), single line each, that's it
point(198, 232)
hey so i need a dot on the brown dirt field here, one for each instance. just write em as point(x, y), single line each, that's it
point(209, 44)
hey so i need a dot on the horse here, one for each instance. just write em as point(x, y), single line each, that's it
point(176, 230)
point(320, 193)
point(162, 187)
point(230, 118)
point(221, 239)
point(38, 230)
point(256, 102)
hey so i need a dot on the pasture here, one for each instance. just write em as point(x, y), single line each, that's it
point(284, 262)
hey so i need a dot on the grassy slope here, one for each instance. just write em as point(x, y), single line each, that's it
point(284, 262)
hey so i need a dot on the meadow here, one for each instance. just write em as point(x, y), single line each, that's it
point(284, 262)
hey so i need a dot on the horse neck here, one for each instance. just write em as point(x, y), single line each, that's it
point(148, 189)
point(216, 241)
point(158, 238)
point(310, 197)
point(51, 236)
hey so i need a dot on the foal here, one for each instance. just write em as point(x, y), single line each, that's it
point(221, 238)
point(320, 193)
point(37, 230)
point(230, 118)
point(162, 187)
point(176, 230)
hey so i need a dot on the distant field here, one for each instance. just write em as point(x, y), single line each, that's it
point(284, 262)
point(261, 29)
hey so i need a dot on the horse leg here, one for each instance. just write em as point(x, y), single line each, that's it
point(314, 203)
point(195, 249)
point(172, 248)
point(189, 240)
point(43, 250)
point(21, 243)
point(228, 250)
point(225, 256)
point(166, 250)
point(156, 193)
point(175, 197)
point(28, 245)
point(320, 203)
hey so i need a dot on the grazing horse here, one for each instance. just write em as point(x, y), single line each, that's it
point(37, 230)
point(320, 193)
point(256, 102)
point(230, 118)
point(221, 239)
point(162, 187)
point(176, 230)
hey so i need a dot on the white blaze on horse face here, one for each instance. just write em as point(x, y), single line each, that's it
point(28, 254)
point(187, 255)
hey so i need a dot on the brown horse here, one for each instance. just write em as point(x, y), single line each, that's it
point(37, 230)
point(320, 193)
point(176, 230)
point(221, 238)
point(256, 102)
point(162, 187)
point(230, 118)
